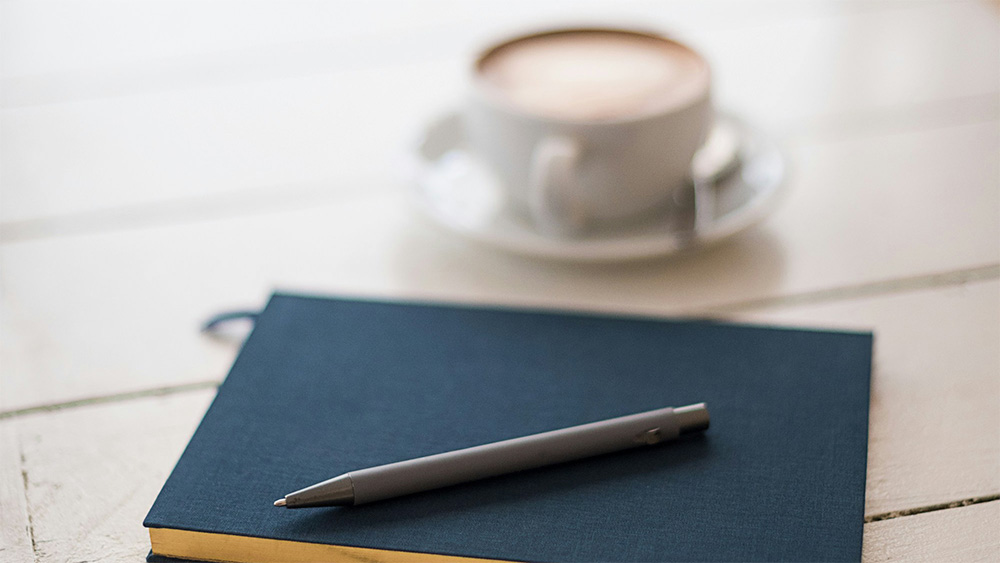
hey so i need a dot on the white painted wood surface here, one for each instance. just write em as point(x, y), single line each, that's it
point(156, 168)
point(970, 533)
point(93, 472)
point(15, 530)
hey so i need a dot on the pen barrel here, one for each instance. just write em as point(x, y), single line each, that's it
point(517, 454)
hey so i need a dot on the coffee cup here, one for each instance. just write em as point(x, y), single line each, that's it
point(588, 127)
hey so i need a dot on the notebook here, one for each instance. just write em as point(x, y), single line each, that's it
point(324, 386)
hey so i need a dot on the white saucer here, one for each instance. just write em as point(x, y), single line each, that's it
point(739, 174)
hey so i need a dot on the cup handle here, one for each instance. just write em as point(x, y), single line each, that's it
point(551, 184)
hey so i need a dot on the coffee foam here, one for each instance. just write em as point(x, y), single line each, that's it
point(594, 74)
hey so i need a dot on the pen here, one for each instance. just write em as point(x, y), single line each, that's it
point(499, 458)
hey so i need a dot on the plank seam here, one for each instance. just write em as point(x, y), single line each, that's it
point(248, 202)
point(870, 289)
point(930, 508)
point(27, 503)
point(117, 397)
point(934, 115)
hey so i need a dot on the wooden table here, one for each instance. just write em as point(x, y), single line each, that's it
point(163, 161)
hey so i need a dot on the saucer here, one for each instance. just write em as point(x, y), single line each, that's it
point(737, 177)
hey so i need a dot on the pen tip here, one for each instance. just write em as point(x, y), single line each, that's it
point(279, 502)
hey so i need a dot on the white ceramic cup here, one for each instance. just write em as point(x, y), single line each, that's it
point(572, 174)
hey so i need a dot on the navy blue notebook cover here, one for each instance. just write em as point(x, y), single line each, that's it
point(324, 386)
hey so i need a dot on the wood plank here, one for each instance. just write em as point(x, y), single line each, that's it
point(958, 534)
point(337, 122)
point(934, 427)
point(858, 211)
point(93, 472)
point(15, 528)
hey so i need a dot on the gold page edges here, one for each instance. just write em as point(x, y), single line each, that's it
point(185, 544)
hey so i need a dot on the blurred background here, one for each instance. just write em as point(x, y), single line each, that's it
point(162, 161)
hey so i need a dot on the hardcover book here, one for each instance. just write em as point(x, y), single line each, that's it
point(325, 386)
